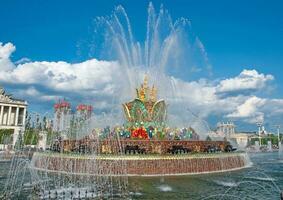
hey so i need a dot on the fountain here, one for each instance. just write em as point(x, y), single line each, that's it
point(90, 161)
point(143, 146)
point(257, 147)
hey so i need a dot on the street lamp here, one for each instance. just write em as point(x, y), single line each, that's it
point(259, 125)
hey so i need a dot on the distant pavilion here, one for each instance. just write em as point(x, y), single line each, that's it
point(12, 119)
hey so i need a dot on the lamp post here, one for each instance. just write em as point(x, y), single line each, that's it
point(259, 124)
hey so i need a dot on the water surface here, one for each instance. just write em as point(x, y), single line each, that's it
point(263, 180)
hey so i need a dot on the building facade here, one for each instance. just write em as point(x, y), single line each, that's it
point(12, 116)
point(64, 117)
point(242, 139)
point(225, 129)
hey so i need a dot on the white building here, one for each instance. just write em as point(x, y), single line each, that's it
point(242, 139)
point(12, 116)
point(225, 129)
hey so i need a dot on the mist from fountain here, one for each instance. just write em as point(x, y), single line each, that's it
point(257, 147)
point(48, 185)
point(170, 54)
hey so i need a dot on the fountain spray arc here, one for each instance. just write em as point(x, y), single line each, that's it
point(170, 54)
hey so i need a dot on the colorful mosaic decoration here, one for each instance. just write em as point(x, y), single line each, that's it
point(145, 115)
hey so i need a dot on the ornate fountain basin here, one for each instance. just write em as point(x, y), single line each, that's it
point(139, 165)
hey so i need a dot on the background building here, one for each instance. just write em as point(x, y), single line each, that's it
point(242, 139)
point(66, 121)
point(12, 119)
point(84, 111)
point(62, 116)
point(225, 129)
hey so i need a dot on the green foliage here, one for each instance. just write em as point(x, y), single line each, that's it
point(6, 136)
point(31, 137)
point(51, 136)
point(265, 139)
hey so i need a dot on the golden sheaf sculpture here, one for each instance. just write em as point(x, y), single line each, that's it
point(146, 107)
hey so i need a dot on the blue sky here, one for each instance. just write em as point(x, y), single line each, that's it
point(237, 35)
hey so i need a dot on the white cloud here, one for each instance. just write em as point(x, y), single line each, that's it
point(5, 52)
point(247, 80)
point(106, 85)
point(32, 92)
point(250, 110)
point(90, 75)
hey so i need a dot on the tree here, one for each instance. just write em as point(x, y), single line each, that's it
point(6, 136)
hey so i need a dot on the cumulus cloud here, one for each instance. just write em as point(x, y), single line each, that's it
point(106, 84)
point(5, 52)
point(32, 92)
point(274, 105)
point(247, 80)
point(204, 99)
point(63, 76)
point(250, 110)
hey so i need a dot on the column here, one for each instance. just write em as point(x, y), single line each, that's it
point(24, 116)
point(9, 116)
point(17, 116)
point(1, 114)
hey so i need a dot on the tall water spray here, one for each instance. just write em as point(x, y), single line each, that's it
point(171, 55)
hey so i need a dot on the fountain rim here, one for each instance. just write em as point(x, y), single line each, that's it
point(142, 175)
point(211, 156)
point(141, 156)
